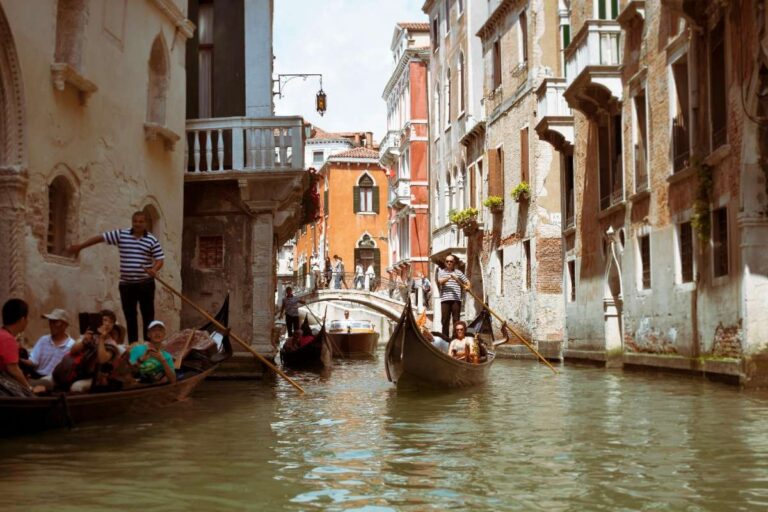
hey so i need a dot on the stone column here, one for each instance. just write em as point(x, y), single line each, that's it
point(263, 281)
point(13, 188)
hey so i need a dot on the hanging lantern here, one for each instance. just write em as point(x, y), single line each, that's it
point(320, 102)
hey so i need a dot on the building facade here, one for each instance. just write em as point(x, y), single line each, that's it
point(93, 106)
point(245, 181)
point(404, 151)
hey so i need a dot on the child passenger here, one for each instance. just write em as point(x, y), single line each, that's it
point(154, 364)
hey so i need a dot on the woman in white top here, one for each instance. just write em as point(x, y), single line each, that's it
point(461, 345)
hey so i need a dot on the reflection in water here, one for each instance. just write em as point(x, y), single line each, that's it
point(588, 439)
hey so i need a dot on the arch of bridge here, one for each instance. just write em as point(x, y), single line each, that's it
point(388, 307)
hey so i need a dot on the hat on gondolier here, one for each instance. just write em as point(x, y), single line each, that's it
point(57, 314)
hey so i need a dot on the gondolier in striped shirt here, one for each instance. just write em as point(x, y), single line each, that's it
point(451, 281)
point(141, 257)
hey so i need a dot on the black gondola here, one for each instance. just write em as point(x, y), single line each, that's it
point(315, 354)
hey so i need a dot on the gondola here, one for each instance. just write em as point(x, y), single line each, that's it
point(412, 359)
point(28, 414)
point(353, 339)
point(315, 354)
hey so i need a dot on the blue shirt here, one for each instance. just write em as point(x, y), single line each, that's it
point(46, 355)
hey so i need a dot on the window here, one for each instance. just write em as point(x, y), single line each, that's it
point(570, 195)
point(500, 261)
point(71, 20)
point(527, 251)
point(524, 155)
point(718, 97)
point(572, 281)
point(460, 5)
point(159, 77)
point(205, 60)
point(720, 242)
point(496, 64)
point(644, 243)
point(436, 113)
point(447, 115)
point(685, 237)
point(60, 216)
point(405, 238)
point(435, 33)
point(523, 37)
point(610, 165)
point(210, 251)
point(447, 17)
point(607, 9)
point(317, 157)
point(641, 142)
point(680, 111)
point(366, 195)
point(461, 73)
point(495, 159)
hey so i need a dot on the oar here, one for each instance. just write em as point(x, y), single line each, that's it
point(505, 324)
point(231, 334)
point(177, 364)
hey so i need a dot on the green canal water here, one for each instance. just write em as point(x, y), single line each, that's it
point(587, 439)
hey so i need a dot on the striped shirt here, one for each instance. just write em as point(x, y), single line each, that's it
point(451, 290)
point(136, 254)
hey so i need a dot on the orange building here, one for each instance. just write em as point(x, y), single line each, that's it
point(353, 224)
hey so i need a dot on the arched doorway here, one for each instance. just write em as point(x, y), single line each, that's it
point(612, 294)
point(13, 178)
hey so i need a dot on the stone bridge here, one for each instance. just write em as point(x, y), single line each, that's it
point(377, 301)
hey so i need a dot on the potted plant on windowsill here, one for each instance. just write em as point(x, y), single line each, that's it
point(522, 192)
point(465, 219)
point(495, 204)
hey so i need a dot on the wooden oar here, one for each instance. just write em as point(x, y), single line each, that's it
point(505, 324)
point(231, 334)
point(177, 364)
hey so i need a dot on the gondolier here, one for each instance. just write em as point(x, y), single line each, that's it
point(451, 281)
point(141, 257)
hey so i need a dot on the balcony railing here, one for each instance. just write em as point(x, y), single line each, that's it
point(403, 191)
point(598, 43)
point(244, 144)
point(448, 237)
point(390, 143)
point(550, 99)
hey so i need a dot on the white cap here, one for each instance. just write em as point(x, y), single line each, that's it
point(155, 323)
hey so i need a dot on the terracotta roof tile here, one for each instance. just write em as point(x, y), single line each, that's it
point(357, 153)
point(414, 26)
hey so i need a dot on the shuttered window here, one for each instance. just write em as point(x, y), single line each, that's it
point(365, 196)
point(495, 159)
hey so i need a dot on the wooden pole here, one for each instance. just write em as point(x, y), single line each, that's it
point(505, 324)
point(177, 364)
point(231, 334)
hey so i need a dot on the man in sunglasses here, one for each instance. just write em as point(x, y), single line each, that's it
point(451, 281)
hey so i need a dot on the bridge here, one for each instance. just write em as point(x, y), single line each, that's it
point(377, 301)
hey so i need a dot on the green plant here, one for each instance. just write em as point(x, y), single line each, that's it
point(700, 218)
point(521, 191)
point(494, 201)
point(463, 217)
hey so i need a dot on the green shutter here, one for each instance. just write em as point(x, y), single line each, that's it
point(601, 10)
point(566, 36)
point(356, 199)
point(325, 202)
point(377, 262)
point(375, 199)
point(614, 9)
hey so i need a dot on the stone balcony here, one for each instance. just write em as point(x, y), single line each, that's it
point(389, 148)
point(401, 193)
point(593, 67)
point(447, 239)
point(554, 118)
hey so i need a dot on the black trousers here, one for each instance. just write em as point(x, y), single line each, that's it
point(292, 323)
point(448, 309)
point(143, 295)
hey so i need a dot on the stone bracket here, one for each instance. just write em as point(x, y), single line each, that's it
point(63, 74)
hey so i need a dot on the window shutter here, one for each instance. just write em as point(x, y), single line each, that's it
point(375, 201)
point(325, 202)
point(377, 262)
point(524, 154)
point(495, 172)
point(356, 199)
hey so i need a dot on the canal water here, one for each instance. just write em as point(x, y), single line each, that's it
point(587, 439)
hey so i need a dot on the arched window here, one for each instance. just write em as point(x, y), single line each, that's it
point(366, 195)
point(448, 192)
point(462, 179)
point(61, 218)
point(447, 117)
point(159, 76)
point(460, 92)
point(367, 254)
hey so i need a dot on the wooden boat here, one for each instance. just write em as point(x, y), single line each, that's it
point(315, 354)
point(353, 339)
point(27, 414)
point(410, 358)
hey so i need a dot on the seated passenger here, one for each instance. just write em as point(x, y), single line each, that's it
point(94, 356)
point(462, 346)
point(15, 318)
point(51, 348)
point(153, 363)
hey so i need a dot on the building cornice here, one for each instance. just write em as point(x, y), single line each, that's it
point(427, 6)
point(176, 16)
point(408, 55)
point(497, 15)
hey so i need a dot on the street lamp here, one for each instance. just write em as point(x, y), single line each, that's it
point(320, 99)
point(320, 104)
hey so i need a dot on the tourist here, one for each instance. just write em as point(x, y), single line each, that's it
point(51, 348)
point(342, 278)
point(93, 357)
point(359, 276)
point(451, 281)
point(314, 265)
point(153, 363)
point(328, 272)
point(461, 346)
point(141, 257)
point(15, 319)
point(290, 308)
point(370, 278)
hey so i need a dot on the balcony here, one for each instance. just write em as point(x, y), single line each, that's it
point(554, 118)
point(401, 193)
point(448, 239)
point(238, 144)
point(592, 64)
point(389, 149)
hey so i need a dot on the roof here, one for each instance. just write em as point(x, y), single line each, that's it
point(357, 153)
point(414, 26)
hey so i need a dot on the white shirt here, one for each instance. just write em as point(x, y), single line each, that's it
point(46, 355)
point(460, 346)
